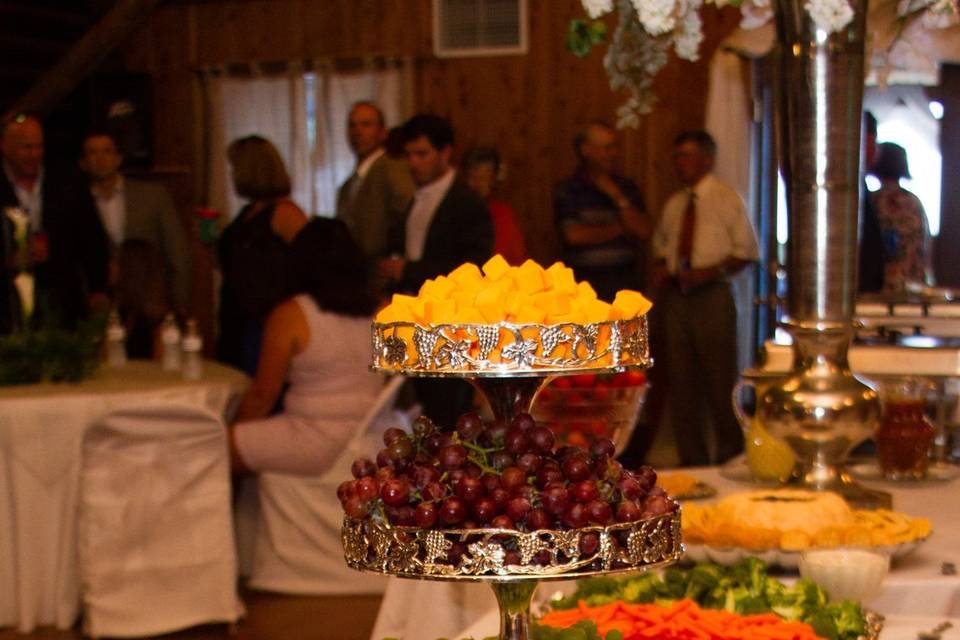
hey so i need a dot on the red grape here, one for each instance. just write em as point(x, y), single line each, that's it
point(356, 507)
point(554, 498)
point(452, 511)
point(503, 522)
point(393, 434)
point(646, 476)
point(363, 467)
point(541, 439)
point(469, 489)
point(599, 512)
point(367, 488)
point(434, 491)
point(548, 474)
point(575, 468)
point(515, 442)
point(628, 511)
point(575, 516)
point(501, 460)
point(425, 515)
point(500, 496)
point(402, 516)
point(530, 462)
point(452, 456)
point(589, 543)
point(512, 477)
point(484, 510)
point(602, 447)
point(518, 508)
point(395, 492)
point(346, 489)
point(585, 491)
point(469, 426)
point(538, 519)
point(522, 421)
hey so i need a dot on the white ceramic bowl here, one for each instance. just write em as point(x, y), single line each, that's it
point(846, 574)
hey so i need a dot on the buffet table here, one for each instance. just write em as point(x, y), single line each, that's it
point(41, 434)
point(915, 596)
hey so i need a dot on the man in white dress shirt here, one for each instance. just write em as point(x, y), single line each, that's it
point(704, 237)
point(448, 224)
point(138, 210)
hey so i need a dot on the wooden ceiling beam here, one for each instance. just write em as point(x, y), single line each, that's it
point(85, 56)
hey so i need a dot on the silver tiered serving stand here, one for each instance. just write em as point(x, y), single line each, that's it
point(509, 364)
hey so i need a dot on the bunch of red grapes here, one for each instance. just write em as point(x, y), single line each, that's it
point(498, 475)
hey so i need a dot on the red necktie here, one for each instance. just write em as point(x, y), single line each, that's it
point(685, 247)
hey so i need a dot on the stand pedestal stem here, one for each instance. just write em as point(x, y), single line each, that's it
point(514, 599)
point(509, 396)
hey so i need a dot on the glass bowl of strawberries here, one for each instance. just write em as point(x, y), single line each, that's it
point(579, 408)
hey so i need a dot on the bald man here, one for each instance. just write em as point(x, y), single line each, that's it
point(68, 250)
point(374, 201)
point(601, 217)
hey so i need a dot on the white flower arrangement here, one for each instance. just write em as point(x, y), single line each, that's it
point(647, 28)
point(23, 282)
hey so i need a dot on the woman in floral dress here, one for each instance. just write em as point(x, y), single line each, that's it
point(907, 250)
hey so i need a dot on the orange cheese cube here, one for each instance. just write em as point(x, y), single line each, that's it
point(514, 300)
point(496, 267)
point(552, 303)
point(631, 303)
point(393, 313)
point(440, 311)
point(596, 310)
point(418, 311)
point(463, 299)
point(560, 278)
point(530, 315)
point(529, 277)
point(468, 315)
point(438, 288)
point(467, 276)
point(490, 303)
point(576, 317)
point(402, 301)
point(585, 291)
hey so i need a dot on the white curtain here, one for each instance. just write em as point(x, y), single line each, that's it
point(305, 116)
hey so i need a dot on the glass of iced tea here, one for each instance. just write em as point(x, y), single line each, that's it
point(905, 434)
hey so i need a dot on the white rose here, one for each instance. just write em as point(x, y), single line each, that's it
point(596, 8)
point(656, 16)
point(831, 15)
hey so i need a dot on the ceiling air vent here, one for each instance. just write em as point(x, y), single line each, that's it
point(479, 27)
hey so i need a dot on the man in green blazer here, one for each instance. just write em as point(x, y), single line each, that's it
point(138, 210)
point(374, 201)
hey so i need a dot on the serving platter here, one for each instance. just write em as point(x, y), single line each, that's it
point(784, 559)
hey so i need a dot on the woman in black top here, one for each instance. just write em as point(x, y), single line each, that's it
point(254, 250)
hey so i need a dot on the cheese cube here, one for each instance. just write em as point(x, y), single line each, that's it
point(496, 267)
point(490, 303)
point(467, 275)
point(560, 278)
point(438, 288)
point(596, 310)
point(530, 315)
point(393, 313)
point(585, 291)
point(440, 311)
point(468, 315)
point(529, 277)
point(631, 303)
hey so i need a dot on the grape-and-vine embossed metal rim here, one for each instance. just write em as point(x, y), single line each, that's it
point(545, 554)
point(506, 349)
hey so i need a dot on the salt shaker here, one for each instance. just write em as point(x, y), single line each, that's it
point(170, 338)
point(192, 352)
point(116, 341)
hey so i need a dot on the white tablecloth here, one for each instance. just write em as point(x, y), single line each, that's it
point(915, 587)
point(41, 431)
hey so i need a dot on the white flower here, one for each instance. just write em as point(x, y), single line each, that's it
point(656, 16)
point(21, 222)
point(689, 34)
point(24, 285)
point(596, 8)
point(831, 15)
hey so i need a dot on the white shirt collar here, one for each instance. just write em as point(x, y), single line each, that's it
point(364, 167)
point(439, 186)
point(119, 189)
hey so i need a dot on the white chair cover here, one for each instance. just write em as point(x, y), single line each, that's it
point(297, 546)
point(156, 549)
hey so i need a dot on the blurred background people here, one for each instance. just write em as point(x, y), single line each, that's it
point(907, 245)
point(376, 197)
point(481, 169)
point(68, 249)
point(704, 236)
point(601, 216)
point(319, 342)
point(870, 247)
point(254, 250)
point(448, 225)
point(138, 210)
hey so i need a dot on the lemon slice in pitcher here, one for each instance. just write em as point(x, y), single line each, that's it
point(769, 458)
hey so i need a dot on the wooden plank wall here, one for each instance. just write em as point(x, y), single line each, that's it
point(528, 106)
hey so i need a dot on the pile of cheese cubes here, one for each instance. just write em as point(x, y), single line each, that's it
point(498, 292)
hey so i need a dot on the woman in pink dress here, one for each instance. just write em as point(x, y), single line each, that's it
point(317, 342)
point(481, 168)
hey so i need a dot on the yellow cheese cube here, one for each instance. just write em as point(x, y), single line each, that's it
point(467, 275)
point(402, 301)
point(585, 291)
point(514, 300)
point(552, 303)
point(438, 288)
point(597, 310)
point(463, 299)
point(560, 278)
point(576, 317)
point(469, 315)
point(393, 313)
point(496, 267)
point(631, 303)
point(529, 277)
point(440, 311)
point(530, 315)
point(490, 303)
point(418, 309)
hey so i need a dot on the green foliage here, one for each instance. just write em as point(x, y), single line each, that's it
point(50, 354)
point(583, 630)
point(744, 588)
point(583, 35)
